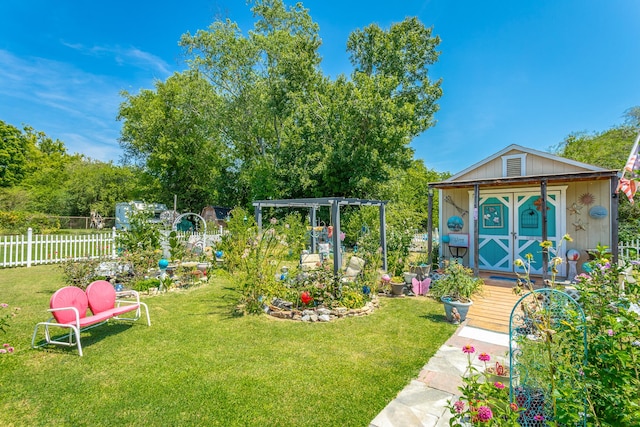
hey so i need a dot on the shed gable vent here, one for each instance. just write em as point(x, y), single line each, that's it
point(513, 165)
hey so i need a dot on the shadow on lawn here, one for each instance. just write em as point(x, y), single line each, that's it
point(88, 337)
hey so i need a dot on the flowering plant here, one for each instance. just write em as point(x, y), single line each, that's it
point(4, 323)
point(482, 402)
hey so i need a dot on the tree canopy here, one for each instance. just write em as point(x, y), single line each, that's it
point(265, 122)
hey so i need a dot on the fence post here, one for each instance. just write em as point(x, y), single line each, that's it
point(29, 245)
point(113, 243)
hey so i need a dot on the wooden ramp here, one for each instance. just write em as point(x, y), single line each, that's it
point(493, 311)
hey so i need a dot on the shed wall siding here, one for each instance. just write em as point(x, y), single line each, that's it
point(535, 165)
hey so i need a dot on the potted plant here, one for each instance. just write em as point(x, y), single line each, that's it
point(455, 288)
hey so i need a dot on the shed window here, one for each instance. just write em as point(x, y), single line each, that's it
point(513, 165)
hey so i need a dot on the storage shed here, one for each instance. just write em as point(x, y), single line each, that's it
point(501, 209)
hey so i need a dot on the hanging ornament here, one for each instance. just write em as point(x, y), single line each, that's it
point(587, 199)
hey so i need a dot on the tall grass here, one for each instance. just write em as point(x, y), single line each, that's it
point(198, 365)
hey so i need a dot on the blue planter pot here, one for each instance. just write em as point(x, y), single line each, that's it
point(461, 307)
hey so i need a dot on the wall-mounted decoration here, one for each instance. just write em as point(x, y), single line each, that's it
point(586, 199)
point(529, 218)
point(492, 216)
point(460, 210)
point(538, 204)
point(574, 209)
point(598, 212)
point(578, 225)
point(445, 238)
point(459, 240)
point(455, 223)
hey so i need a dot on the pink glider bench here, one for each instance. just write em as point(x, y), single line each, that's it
point(69, 309)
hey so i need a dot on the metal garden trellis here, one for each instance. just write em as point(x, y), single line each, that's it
point(548, 350)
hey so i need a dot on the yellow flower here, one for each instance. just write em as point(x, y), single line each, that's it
point(546, 244)
point(519, 263)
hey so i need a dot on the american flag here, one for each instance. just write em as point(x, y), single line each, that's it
point(627, 184)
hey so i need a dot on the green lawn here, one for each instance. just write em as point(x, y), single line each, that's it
point(197, 365)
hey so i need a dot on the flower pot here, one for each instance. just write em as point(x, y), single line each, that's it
point(408, 277)
point(397, 289)
point(461, 307)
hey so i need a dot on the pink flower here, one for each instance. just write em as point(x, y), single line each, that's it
point(538, 417)
point(5, 345)
point(484, 357)
point(498, 384)
point(468, 349)
point(484, 413)
point(4, 305)
point(513, 406)
point(2, 351)
point(610, 332)
point(459, 406)
point(10, 349)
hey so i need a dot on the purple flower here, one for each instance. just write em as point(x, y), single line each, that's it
point(484, 413)
point(538, 417)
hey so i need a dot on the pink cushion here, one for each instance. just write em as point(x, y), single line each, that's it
point(96, 318)
point(101, 296)
point(121, 310)
point(69, 296)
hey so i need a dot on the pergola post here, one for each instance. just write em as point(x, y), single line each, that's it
point(257, 212)
point(337, 249)
point(383, 236)
point(314, 238)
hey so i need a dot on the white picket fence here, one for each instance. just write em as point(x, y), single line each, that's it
point(629, 250)
point(34, 249)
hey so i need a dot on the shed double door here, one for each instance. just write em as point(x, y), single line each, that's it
point(510, 227)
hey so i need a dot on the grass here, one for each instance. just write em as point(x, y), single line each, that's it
point(198, 365)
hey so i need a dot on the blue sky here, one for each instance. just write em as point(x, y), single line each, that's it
point(514, 72)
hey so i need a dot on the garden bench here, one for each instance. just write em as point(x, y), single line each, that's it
point(68, 307)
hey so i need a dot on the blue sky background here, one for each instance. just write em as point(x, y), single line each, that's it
point(514, 72)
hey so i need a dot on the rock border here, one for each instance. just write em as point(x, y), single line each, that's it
point(321, 314)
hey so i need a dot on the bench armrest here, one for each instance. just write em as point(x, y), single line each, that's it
point(127, 294)
point(75, 310)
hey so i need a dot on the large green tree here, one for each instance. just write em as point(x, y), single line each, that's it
point(13, 155)
point(609, 149)
point(284, 129)
point(173, 133)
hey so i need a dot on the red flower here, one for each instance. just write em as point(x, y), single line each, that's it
point(306, 297)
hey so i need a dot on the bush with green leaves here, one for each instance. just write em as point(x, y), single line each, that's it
point(80, 272)
point(18, 222)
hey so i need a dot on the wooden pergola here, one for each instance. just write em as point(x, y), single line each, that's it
point(334, 203)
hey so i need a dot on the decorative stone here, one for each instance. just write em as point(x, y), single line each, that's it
point(324, 318)
point(324, 311)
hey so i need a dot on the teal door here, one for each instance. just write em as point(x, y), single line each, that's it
point(510, 227)
point(528, 232)
point(495, 244)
